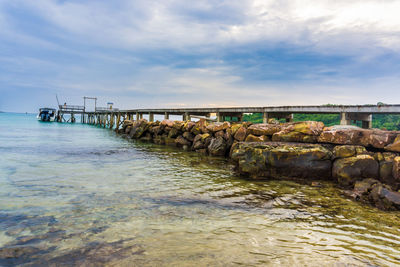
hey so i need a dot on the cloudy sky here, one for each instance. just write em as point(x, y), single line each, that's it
point(180, 53)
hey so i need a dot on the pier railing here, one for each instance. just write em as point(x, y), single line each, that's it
point(107, 109)
point(71, 108)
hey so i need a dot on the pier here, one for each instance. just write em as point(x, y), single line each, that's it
point(111, 117)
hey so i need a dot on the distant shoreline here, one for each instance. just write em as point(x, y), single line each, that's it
point(28, 113)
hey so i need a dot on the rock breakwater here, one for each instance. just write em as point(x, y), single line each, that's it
point(364, 161)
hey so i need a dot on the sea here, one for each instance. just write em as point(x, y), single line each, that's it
point(80, 195)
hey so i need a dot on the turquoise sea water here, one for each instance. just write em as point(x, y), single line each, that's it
point(73, 194)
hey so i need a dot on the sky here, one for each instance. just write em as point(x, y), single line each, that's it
point(180, 53)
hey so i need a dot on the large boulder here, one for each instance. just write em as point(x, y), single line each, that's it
point(156, 130)
point(201, 141)
point(241, 134)
point(178, 125)
point(348, 170)
point(299, 160)
point(188, 126)
point(189, 136)
point(377, 138)
point(181, 141)
point(174, 132)
point(264, 129)
point(139, 128)
point(253, 138)
point(341, 135)
point(219, 133)
point(217, 146)
point(235, 127)
point(386, 169)
point(308, 127)
point(228, 138)
point(127, 129)
point(218, 126)
point(128, 123)
point(167, 123)
point(277, 160)
point(292, 136)
point(346, 151)
point(251, 161)
point(304, 132)
point(199, 127)
point(396, 168)
point(352, 135)
point(395, 146)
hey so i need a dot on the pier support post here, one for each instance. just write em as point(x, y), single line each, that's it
point(265, 117)
point(240, 117)
point(112, 120)
point(289, 118)
point(166, 116)
point(151, 117)
point(186, 117)
point(367, 124)
point(220, 118)
point(137, 116)
point(118, 120)
point(344, 119)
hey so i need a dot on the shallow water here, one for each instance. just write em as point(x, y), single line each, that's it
point(80, 195)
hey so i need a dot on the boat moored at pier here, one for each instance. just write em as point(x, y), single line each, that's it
point(47, 114)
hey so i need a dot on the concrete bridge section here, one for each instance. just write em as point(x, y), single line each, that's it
point(348, 113)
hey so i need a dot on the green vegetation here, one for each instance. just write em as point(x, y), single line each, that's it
point(388, 122)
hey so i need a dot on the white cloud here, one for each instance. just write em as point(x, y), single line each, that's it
point(111, 44)
point(344, 26)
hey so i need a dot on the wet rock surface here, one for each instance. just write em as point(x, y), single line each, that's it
point(279, 160)
point(350, 169)
point(374, 192)
point(308, 150)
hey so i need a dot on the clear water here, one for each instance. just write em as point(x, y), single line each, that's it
point(80, 195)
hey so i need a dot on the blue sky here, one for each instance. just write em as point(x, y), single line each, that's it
point(179, 53)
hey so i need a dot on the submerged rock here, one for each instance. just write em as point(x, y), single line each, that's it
point(17, 251)
point(181, 141)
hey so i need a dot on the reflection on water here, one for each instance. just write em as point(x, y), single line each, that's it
point(79, 195)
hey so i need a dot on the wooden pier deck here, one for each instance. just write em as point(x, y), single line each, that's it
point(114, 117)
